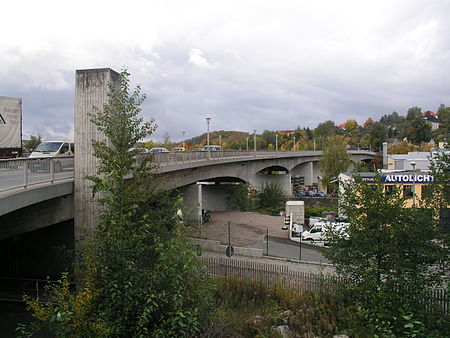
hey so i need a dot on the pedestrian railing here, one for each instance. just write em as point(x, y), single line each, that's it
point(24, 172)
point(14, 289)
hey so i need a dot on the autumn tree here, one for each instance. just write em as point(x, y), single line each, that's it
point(334, 161)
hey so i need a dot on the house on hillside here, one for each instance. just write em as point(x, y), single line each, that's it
point(432, 118)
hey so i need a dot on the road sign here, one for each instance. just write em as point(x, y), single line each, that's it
point(229, 251)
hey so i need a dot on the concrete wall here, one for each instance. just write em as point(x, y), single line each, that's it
point(91, 88)
point(36, 216)
point(309, 170)
point(284, 181)
point(214, 197)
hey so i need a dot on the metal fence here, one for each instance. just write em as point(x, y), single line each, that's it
point(14, 289)
point(270, 274)
point(23, 172)
point(172, 158)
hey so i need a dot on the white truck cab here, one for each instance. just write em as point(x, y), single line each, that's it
point(53, 149)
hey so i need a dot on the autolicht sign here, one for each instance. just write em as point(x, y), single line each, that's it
point(402, 178)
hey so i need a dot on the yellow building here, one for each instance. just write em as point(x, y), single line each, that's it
point(412, 184)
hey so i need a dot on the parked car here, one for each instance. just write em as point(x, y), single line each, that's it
point(158, 150)
point(211, 148)
point(177, 149)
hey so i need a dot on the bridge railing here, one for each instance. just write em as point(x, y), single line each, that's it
point(172, 158)
point(23, 172)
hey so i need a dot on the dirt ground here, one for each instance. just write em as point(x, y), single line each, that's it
point(247, 228)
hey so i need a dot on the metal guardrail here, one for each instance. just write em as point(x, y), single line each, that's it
point(24, 172)
point(14, 289)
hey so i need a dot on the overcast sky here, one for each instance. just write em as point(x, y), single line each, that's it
point(248, 65)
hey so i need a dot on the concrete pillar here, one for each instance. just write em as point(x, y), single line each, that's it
point(91, 88)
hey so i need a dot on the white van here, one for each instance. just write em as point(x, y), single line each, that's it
point(316, 233)
point(53, 149)
point(44, 153)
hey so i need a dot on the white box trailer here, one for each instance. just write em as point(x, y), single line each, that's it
point(296, 209)
point(10, 127)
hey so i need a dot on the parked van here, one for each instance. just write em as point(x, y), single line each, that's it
point(316, 233)
point(53, 149)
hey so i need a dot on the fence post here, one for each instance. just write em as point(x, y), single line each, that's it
point(52, 170)
point(25, 172)
point(37, 290)
point(267, 242)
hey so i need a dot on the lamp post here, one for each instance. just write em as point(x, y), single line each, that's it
point(294, 143)
point(220, 141)
point(247, 143)
point(183, 133)
point(413, 164)
point(254, 139)
point(208, 119)
point(276, 142)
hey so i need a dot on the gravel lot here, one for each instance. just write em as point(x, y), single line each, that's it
point(247, 228)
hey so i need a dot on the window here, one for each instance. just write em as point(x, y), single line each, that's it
point(389, 189)
point(64, 148)
point(425, 191)
point(408, 191)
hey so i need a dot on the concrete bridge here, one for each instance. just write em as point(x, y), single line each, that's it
point(33, 195)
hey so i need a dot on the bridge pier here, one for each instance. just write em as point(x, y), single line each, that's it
point(91, 92)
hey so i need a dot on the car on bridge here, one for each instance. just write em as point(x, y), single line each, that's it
point(211, 148)
point(158, 150)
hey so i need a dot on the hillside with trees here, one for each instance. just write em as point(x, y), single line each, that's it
point(412, 131)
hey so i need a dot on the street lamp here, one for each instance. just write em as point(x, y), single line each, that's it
point(276, 142)
point(294, 143)
point(220, 141)
point(183, 133)
point(254, 139)
point(208, 119)
point(247, 143)
point(413, 164)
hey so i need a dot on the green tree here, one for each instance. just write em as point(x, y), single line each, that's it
point(387, 255)
point(325, 129)
point(271, 199)
point(32, 143)
point(239, 198)
point(413, 113)
point(334, 161)
point(139, 275)
point(418, 130)
point(377, 134)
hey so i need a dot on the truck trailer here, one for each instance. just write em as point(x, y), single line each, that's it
point(10, 127)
